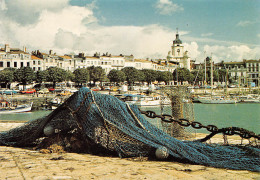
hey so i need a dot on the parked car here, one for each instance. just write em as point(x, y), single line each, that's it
point(8, 91)
point(65, 93)
point(95, 88)
point(43, 91)
point(51, 89)
point(105, 88)
point(28, 91)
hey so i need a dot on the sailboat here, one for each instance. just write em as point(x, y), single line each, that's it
point(215, 99)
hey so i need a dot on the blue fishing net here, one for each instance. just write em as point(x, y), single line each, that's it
point(114, 125)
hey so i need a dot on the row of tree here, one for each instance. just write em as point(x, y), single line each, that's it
point(26, 75)
point(196, 76)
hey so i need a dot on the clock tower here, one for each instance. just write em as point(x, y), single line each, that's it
point(177, 55)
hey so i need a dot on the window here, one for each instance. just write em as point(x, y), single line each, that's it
point(34, 68)
point(39, 62)
point(15, 64)
point(8, 64)
point(21, 64)
point(34, 63)
point(39, 68)
point(1, 64)
point(28, 64)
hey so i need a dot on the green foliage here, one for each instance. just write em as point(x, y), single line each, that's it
point(41, 76)
point(149, 75)
point(198, 75)
point(132, 74)
point(116, 76)
point(81, 75)
point(69, 76)
point(164, 76)
point(222, 73)
point(55, 74)
point(96, 73)
point(7, 76)
point(182, 74)
point(25, 75)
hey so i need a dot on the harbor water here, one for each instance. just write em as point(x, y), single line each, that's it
point(246, 116)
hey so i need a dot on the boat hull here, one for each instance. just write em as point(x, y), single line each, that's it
point(18, 109)
point(217, 101)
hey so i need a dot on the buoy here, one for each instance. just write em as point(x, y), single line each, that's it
point(162, 153)
point(48, 130)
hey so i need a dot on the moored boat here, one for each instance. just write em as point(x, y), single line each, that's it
point(7, 107)
point(15, 109)
point(217, 100)
point(143, 100)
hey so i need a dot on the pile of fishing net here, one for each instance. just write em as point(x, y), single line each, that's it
point(92, 122)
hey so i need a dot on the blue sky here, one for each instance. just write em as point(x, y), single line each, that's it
point(227, 29)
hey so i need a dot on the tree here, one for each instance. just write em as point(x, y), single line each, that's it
point(222, 73)
point(198, 75)
point(140, 76)
point(164, 76)
point(7, 76)
point(69, 75)
point(41, 76)
point(25, 75)
point(116, 76)
point(96, 74)
point(81, 75)
point(149, 75)
point(182, 74)
point(132, 75)
point(55, 74)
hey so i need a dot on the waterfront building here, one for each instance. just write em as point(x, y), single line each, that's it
point(253, 71)
point(237, 72)
point(243, 73)
point(14, 57)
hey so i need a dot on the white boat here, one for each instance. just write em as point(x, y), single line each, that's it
point(143, 100)
point(217, 100)
point(15, 109)
point(249, 99)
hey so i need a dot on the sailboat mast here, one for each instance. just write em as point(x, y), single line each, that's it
point(211, 74)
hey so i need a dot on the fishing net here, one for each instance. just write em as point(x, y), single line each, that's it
point(102, 123)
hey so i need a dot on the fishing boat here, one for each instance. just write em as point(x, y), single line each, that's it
point(7, 107)
point(15, 109)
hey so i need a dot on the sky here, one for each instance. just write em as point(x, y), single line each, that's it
point(227, 30)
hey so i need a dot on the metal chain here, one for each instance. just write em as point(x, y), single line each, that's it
point(243, 133)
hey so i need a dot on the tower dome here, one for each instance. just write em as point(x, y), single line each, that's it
point(177, 40)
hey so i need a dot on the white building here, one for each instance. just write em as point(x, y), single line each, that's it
point(177, 55)
point(14, 58)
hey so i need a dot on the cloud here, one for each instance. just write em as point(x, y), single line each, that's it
point(65, 28)
point(167, 7)
point(193, 49)
point(245, 23)
point(28, 11)
point(206, 34)
point(231, 53)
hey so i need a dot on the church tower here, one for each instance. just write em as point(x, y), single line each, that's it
point(177, 55)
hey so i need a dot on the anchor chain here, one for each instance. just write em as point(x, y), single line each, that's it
point(243, 133)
